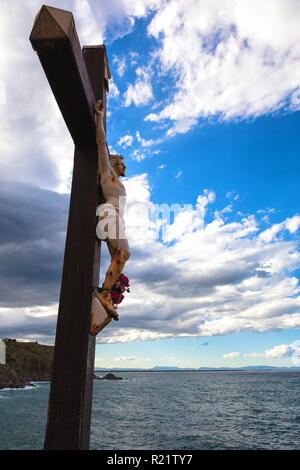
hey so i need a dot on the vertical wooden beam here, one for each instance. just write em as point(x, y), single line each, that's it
point(70, 401)
point(71, 384)
point(93, 56)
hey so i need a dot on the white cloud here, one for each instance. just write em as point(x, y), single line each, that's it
point(269, 234)
point(133, 57)
point(239, 63)
point(89, 29)
point(206, 276)
point(115, 18)
point(120, 65)
point(144, 142)
point(35, 144)
point(140, 8)
point(125, 141)
point(181, 125)
point(138, 155)
point(292, 224)
point(141, 92)
point(227, 209)
point(231, 355)
point(113, 89)
point(179, 173)
point(282, 350)
point(38, 322)
point(279, 351)
point(295, 100)
point(253, 355)
point(230, 59)
point(125, 358)
point(2, 93)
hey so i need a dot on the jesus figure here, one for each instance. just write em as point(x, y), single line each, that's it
point(111, 167)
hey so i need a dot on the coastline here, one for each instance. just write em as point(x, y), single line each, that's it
point(29, 362)
point(26, 362)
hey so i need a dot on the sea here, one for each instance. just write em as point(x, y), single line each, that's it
point(194, 410)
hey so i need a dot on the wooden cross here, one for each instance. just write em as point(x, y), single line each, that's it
point(78, 78)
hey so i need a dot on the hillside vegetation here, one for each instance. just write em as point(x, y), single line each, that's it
point(25, 362)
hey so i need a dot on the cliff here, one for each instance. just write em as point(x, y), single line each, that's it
point(25, 362)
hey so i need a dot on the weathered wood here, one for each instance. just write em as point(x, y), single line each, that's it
point(71, 385)
point(77, 79)
point(55, 40)
point(99, 318)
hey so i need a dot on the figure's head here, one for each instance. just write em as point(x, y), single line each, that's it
point(117, 162)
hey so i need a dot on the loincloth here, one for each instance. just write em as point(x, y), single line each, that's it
point(111, 224)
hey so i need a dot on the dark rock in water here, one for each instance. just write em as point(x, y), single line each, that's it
point(111, 376)
point(108, 376)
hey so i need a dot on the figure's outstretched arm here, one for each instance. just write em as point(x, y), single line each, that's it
point(103, 157)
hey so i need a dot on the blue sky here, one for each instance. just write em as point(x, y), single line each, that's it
point(204, 104)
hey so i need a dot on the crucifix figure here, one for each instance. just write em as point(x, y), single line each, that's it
point(111, 167)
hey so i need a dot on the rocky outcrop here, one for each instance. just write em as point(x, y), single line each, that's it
point(30, 362)
point(108, 376)
point(25, 362)
point(9, 378)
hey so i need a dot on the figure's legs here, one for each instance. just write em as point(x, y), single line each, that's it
point(119, 252)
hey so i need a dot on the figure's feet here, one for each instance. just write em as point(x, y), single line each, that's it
point(105, 299)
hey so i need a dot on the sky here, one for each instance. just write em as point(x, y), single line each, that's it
point(204, 105)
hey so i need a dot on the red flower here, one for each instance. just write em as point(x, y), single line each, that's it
point(119, 287)
point(116, 296)
point(124, 279)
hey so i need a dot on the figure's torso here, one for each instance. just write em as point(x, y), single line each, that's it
point(113, 189)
